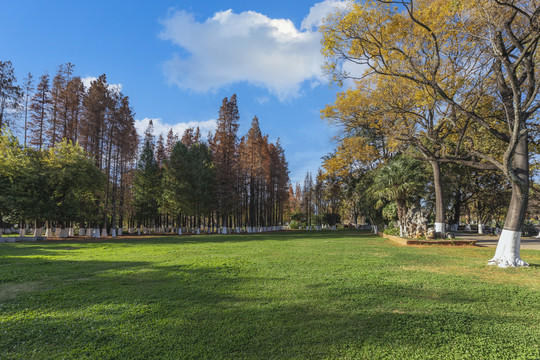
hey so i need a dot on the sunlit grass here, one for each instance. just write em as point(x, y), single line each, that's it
point(283, 296)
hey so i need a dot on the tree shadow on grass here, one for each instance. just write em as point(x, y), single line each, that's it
point(140, 310)
point(217, 238)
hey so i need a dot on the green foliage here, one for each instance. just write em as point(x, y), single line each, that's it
point(60, 184)
point(391, 231)
point(331, 219)
point(529, 229)
point(189, 180)
point(294, 225)
point(399, 179)
point(146, 185)
point(75, 183)
point(295, 295)
point(298, 216)
point(389, 212)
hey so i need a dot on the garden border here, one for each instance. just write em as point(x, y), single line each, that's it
point(406, 242)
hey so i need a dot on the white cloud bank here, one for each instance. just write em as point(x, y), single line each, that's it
point(229, 48)
point(161, 128)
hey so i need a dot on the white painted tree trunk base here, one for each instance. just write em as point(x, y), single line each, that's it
point(82, 231)
point(120, 232)
point(37, 232)
point(113, 232)
point(71, 232)
point(104, 232)
point(507, 252)
point(198, 231)
point(481, 229)
point(224, 231)
point(179, 231)
point(440, 228)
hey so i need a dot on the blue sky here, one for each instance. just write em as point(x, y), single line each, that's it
point(177, 60)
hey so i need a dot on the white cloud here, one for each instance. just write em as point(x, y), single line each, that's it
point(87, 81)
point(320, 11)
point(251, 47)
point(161, 128)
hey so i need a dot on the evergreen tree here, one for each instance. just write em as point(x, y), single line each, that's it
point(161, 153)
point(146, 186)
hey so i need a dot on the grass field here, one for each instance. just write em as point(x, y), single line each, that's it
point(296, 295)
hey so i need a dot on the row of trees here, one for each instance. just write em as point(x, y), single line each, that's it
point(225, 183)
point(56, 115)
point(449, 82)
point(315, 203)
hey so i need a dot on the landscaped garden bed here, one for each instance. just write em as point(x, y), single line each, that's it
point(444, 242)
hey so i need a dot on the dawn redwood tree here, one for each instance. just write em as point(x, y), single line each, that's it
point(225, 158)
point(187, 137)
point(10, 93)
point(95, 104)
point(38, 113)
point(251, 159)
point(469, 50)
point(161, 152)
point(73, 102)
point(28, 89)
point(55, 127)
point(172, 139)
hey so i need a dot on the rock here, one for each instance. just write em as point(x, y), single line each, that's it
point(450, 235)
point(430, 234)
point(416, 222)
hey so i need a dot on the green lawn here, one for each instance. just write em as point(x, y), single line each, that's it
point(299, 295)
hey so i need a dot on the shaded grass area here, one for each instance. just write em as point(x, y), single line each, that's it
point(292, 295)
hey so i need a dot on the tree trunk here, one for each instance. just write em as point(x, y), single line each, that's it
point(439, 202)
point(402, 213)
point(507, 252)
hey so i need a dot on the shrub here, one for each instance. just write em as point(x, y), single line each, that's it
point(294, 225)
point(391, 231)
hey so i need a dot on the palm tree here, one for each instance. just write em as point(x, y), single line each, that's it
point(397, 181)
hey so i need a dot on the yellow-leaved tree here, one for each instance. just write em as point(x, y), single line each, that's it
point(464, 55)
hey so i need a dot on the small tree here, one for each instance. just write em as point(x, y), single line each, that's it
point(397, 181)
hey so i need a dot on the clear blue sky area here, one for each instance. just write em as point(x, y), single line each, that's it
point(178, 60)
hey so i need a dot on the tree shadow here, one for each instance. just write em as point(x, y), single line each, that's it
point(143, 310)
point(216, 238)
